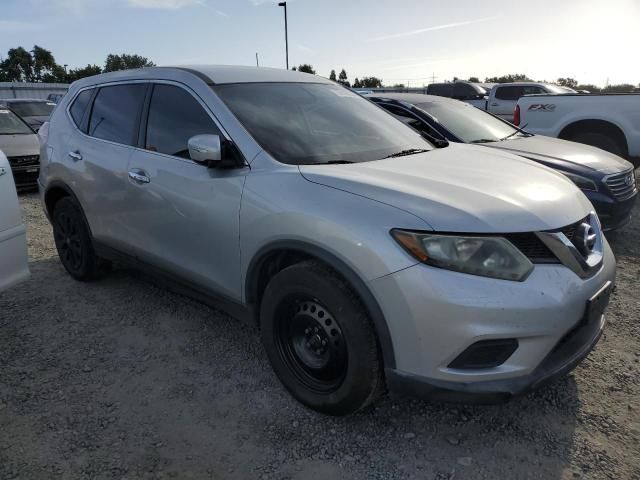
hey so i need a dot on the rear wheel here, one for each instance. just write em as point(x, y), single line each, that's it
point(600, 140)
point(74, 244)
point(319, 339)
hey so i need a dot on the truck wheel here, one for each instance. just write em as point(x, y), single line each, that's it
point(74, 243)
point(319, 340)
point(600, 140)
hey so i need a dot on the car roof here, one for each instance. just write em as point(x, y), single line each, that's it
point(414, 98)
point(210, 74)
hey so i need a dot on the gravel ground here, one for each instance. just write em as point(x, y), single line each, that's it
point(119, 379)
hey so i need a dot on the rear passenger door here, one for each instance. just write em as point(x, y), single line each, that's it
point(504, 101)
point(98, 150)
point(183, 217)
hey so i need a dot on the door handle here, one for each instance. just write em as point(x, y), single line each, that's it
point(138, 176)
point(76, 155)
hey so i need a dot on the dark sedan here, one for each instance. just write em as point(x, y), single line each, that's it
point(607, 180)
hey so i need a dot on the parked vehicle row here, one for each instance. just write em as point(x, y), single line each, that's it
point(500, 99)
point(607, 180)
point(369, 258)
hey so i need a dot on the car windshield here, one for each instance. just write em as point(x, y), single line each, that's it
point(309, 123)
point(10, 124)
point(32, 109)
point(468, 123)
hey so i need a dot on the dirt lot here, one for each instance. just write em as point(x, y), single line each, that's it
point(119, 379)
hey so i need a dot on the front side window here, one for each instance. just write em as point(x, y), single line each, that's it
point(468, 123)
point(174, 117)
point(79, 106)
point(116, 113)
point(11, 124)
point(309, 123)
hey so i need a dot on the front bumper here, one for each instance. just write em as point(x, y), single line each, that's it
point(613, 214)
point(434, 315)
point(26, 177)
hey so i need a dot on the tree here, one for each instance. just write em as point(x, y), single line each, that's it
point(18, 66)
point(45, 68)
point(356, 83)
point(306, 68)
point(126, 61)
point(474, 80)
point(398, 85)
point(342, 78)
point(332, 76)
point(567, 82)
point(371, 82)
point(512, 77)
point(78, 73)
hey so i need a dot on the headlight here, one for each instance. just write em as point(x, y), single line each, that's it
point(493, 257)
point(581, 182)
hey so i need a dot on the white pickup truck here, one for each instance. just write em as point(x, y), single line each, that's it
point(610, 122)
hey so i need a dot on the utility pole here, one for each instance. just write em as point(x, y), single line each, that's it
point(286, 33)
point(257, 62)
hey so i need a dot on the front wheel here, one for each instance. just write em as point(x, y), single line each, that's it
point(319, 339)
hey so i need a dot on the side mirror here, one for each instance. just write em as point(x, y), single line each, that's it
point(205, 149)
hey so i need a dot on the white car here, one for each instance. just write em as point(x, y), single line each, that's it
point(14, 266)
point(21, 146)
point(610, 122)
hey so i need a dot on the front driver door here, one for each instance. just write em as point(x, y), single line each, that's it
point(183, 216)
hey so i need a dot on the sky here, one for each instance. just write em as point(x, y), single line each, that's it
point(400, 41)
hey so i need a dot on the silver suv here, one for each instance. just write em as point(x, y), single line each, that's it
point(370, 259)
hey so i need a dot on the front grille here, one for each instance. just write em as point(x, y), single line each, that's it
point(532, 247)
point(622, 185)
point(24, 161)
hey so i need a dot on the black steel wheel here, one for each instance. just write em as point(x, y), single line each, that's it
point(73, 242)
point(319, 339)
point(311, 342)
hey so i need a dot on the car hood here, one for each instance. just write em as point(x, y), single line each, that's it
point(20, 145)
point(563, 154)
point(463, 188)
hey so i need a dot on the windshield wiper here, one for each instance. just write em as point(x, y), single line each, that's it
point(518, 130)
point(483, 140)
point(409, 151)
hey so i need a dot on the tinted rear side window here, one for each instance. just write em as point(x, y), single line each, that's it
point(116, 113)
point(174, 117)
point(509, 93)
point(440, 89)
point(79, 106)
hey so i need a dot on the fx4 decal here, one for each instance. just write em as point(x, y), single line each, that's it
point(542, 107)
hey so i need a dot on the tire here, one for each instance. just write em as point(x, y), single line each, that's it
point(319, 340)
point(74, 244)
point(600, 140)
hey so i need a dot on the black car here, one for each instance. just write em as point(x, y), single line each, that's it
point(607, 180)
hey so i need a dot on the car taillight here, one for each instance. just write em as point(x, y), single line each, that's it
point(516, 116)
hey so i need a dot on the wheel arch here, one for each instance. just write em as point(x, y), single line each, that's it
point(276, 256)
point(56, 191)
point(595, 125)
